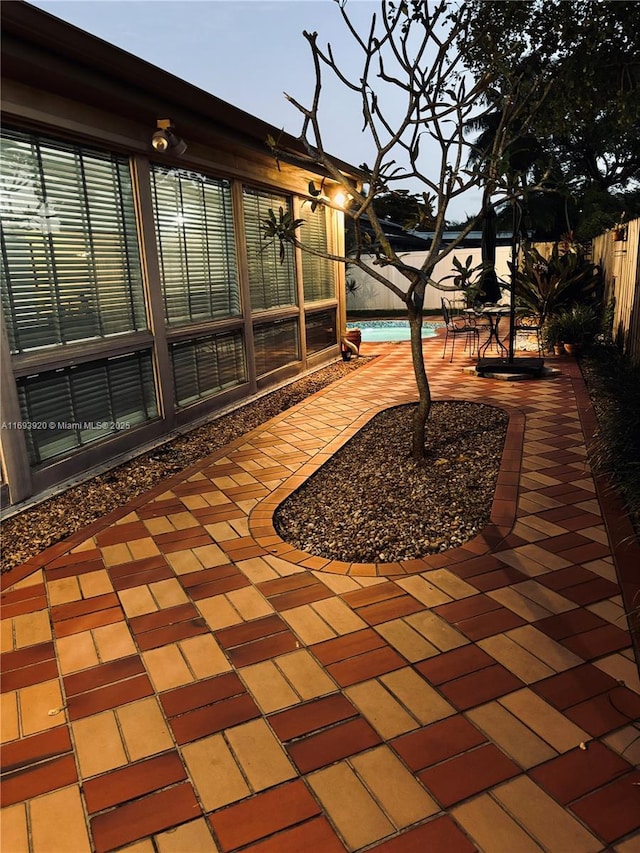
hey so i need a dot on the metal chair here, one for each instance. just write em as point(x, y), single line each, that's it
point(457, 327)
point(529, 324)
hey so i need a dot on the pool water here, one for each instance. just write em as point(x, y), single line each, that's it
point(374, 331)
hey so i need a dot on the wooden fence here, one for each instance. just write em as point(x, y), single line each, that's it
point(620, 263)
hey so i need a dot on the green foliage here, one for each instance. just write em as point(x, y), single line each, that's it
point(579, 324)
point(547, 286)
point(282, 228)
point(468, 279)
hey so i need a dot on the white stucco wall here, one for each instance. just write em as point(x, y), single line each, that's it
point(374, 296)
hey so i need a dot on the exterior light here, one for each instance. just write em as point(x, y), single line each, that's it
point(164, 139)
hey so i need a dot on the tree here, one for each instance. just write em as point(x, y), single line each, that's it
point(416, 98)
point(588, 53)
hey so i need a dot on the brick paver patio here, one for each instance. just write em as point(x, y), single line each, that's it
point(176, 678)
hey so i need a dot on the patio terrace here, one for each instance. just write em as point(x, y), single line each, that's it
point(177, 678)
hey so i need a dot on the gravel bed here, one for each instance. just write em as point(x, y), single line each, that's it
point(32, 530)
point(372, 503)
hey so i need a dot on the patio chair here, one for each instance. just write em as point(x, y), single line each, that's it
point(458, 327)
point(529, 325)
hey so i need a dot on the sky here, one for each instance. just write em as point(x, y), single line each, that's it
point(246, 52)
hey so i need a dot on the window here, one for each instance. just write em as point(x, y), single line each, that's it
point(317, 273)
point(321, 330)
point(207, 365)
point(75, 406)
point(272, 283)
point(71, 265)
point(196, 246)
point(276, 344)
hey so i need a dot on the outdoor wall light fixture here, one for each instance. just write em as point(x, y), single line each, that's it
point(165, 139)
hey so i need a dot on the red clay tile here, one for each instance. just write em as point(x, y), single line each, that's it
point(440, 834)
point(489, 624)
point(561, 579)
point(595, 590)
point(314, 835)
point(106, 673)
point(450, 665)
point(18, 606)
point(586, 553)
point(147, 576)
point(372, 594)
point(161, 618)
point(298, 597)
point(260, 650)
point(256, 629)
point(75, 569)
point(194, 579)
point(496, 579)
point(395, 608)
point(172, 633)
point(479, 687)
point(465, 608)
point(479, 565)
point(558, 544)
point(38, 779)
point(365, 666)
point(579, 772)
point(145, 816)
point(571, 622)
point(111, 696)
point(35, 748)
point(263, 815)
point(580, 521)
point(121, 533)
point(213, 718)
point(215, 514)
point(133, 781)
point(155, 509)
point(27, 656)
point(205, 692)
point(70, 559)
point(606, 712)
point(598, 642)
point(614, 811)
point(465, 775)
point(318, 750)
point(437, 742)
point(342, 648)
point(574, 686)
point(27, 675)
point(85, 606)
point(311, 716)
point(85, 623)
point(207, 589)
point(137, 568)
point(196, 537)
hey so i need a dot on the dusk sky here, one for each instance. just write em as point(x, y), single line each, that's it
point(247, 52)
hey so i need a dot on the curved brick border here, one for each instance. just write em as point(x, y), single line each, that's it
point(502, 518)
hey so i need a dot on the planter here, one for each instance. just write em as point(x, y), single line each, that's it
point(354, 336)
point(619, 235)
point(558, 349)
point(572, 349)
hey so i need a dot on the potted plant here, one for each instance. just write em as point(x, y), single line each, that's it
point(577, 327)
point(552, 339)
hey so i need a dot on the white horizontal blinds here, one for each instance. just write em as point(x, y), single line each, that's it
point(272, 283)
point(73, 406)
point(71, 264)
point(196, 246)
point(317, 273)
point(320, 330)
point(207, 366)
point(276, 345)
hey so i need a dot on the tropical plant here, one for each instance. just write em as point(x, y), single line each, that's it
point(546, 286)
point(579, 325)
point(468, 279)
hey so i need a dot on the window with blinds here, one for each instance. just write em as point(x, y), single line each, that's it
point(272, 283)
point(207, 365)
point(317, 273)
point(276, 345)
point(70, 259)
point(74, 406)
point(320, 330)
point(196, 246)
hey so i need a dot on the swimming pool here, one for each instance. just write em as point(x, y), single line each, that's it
point(374, 331)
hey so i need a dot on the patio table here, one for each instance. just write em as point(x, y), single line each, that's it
point(493, 315)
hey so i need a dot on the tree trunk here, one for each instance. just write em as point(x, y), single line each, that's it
point(424, 392)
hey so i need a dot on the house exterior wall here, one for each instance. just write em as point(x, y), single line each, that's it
point(138, 296)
